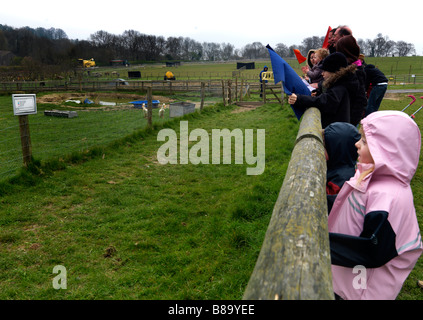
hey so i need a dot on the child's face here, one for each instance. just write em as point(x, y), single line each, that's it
point(317, 58)
point(363, 151)
point(326, 74)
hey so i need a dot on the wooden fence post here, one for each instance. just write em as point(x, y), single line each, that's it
point(223, 92)
point(25, 139)
point(229, 92)
point(202, 95)
point(236, 89)
point(294, 261)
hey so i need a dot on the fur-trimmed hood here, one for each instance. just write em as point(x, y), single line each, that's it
point(340, 75)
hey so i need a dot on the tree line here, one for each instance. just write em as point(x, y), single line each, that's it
point(381, 46)
point(53, 47)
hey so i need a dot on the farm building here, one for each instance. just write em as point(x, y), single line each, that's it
point(134, 74)
point(173, 64)
point(247, 65)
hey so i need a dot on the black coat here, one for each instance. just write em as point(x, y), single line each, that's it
point(374, 76)
point(359, 99)
point(340, 139)
point(339, 93)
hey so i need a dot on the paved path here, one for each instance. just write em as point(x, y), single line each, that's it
point(405, 91)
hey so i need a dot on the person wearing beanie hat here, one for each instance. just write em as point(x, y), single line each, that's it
point(350, 48)
point(334, 62)
point(339, 86)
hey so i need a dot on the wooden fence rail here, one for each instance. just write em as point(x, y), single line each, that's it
point(294, 261)
point(210, 86)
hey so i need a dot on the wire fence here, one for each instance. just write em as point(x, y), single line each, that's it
point(212, 86)
point(56, 137)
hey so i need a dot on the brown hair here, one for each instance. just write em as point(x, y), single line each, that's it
point(349, 47)
point(323, 53)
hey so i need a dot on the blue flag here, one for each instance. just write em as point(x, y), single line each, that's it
point(292, 83)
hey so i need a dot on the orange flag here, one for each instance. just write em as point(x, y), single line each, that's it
point(326, 42)
point(299, 56)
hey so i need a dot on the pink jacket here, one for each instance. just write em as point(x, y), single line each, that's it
point(374, 234)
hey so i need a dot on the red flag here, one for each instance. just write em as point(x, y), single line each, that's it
point(299, 56)
point(326, 42)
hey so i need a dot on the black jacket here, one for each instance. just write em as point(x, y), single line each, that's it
point(373, 76)
point(340, 139)
point(359, 99)
point(372, 249)
point(334, 102)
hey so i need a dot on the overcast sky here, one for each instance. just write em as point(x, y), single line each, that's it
point(222, 21)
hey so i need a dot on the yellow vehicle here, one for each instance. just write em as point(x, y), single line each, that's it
point(169, 76)
point(86, 63)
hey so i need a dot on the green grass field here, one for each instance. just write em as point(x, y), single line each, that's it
point(206, 70)
point(126, 227)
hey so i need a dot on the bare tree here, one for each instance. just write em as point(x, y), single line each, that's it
point(174, 48)
point(254, 50)
point(404, 49)
point(211, 51)
point(282, 50)
point(227, 51)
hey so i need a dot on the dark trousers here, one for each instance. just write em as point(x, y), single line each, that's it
point(375, 98)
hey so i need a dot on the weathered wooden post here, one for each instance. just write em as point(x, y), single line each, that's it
point(223, 92)
point(150, 106)
point(25, 139)
point(294, 261)
point(236, 89)
point(229, 92)
point(203, 85)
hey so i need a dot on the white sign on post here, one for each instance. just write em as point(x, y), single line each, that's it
point(24, 104)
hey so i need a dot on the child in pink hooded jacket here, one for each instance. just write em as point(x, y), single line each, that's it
point(374, 235)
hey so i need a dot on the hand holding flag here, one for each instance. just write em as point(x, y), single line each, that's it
point(292, 83)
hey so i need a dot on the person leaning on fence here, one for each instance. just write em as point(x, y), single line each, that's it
point(374, 234)
point(340, 82)
point(340, 32)
point(314, 74)
point(331, 41)
point(261, 80)
point(310, 64)
point(341, 156)
point(376, 86)
point(350, 48)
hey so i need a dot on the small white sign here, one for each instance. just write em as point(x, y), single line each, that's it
point(24, 104)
